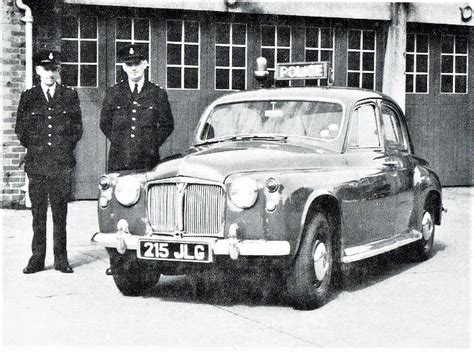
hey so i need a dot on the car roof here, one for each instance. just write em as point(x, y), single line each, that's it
point(332, 93)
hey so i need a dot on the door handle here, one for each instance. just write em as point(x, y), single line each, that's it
point(390, 164)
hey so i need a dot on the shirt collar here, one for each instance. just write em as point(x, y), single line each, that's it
point(140, 84)
point(51, 88)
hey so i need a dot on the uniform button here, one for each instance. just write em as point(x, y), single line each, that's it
point(132, 135)
point(49, 108)
point(133, 118)
point(49, 134)
point(50, 126)
point(49, 117)
point(135, 103)
point(49, 143)
point(133, 127)
point(134, 110)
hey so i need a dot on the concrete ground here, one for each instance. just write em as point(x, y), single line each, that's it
point(386, 301)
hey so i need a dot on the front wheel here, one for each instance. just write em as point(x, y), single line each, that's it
point(309, 283)
point(132, 276)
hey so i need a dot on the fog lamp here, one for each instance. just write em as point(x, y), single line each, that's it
point(103, 201)
point(104, 182)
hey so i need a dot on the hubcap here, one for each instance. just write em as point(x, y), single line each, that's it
point(427, 226)
point(321, 263)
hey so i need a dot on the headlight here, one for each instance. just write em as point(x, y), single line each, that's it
point(243, 192)
point(127, 190)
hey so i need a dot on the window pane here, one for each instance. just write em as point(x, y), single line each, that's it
point(223, 33)
point(368, 61)
point(312, 34)
point(173, 54)
point(369, 40)
point(354, 39)
point(364, 132)
point(422, 43)
point(123, 28)
point(268, 36)
point(461, 65)
point(422, 63)
point(69, 75)
point(191, 55)
point(238, 34)
point(312, 55)
point(142, 29)
point(421, 83)
point(119, 47)
point(446, 83)
point(368, 80)
point(461, 44)
point(326, 56)
point(354, 61)
point(284, 37)
point(460, 84)
point(410, 43)
point(447, 44)
point(69, 27)
point(353, 79)
point(88, 27)
point(222, 79)
point(173, 78)
point(446, 64)
point(69, 51)
point(143, 47)
point(88, 75)
point(410, 63)
point(409, 83)
point(238, 56)
point(222, 57)
point(326, 38)
point(89, 52)
point(269, 54)
point(191, 31)
point(283, 56)
point(238, 79)
point(191, 78)
point(173, 31)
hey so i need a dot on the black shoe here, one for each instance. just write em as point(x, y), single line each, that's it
point(66, 269)
point(109, 271)
point(32, 270)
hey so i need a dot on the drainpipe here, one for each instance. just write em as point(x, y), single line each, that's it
point(28, 20)
point(394, 61)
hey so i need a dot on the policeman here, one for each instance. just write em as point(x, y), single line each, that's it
point(49, 125)
point(136, 116)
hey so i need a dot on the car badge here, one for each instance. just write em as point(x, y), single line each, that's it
point(178, 234)
point(51, 55)
point(180, 187)
point(131, 51)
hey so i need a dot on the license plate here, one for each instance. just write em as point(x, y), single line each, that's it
point(196, 252)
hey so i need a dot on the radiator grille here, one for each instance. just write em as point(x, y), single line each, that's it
point(194, 209)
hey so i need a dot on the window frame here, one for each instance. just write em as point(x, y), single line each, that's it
point(319, 49)
point(406, 148)
point(275, 47)
point(453, 74)
point(377, 122)
point(361, 51)
point(415, 54)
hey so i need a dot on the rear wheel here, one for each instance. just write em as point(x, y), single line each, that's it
point(132, 276)
point(309, 283)
point(423, 248)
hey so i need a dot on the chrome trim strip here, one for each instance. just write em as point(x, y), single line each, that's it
point(381, 246)
point(218, 246)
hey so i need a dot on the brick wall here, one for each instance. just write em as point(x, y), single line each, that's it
point(13, 83)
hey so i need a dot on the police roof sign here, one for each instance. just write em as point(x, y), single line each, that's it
point(306, 70)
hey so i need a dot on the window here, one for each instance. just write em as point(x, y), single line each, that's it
point(364, 130)
point(394, 138)
point(130, 31)
point(417, 63)
point(361, 59)
point(319, 47)
point(454, 57)
point(79, 48)
point(231, 56)
point(276, 48)
point(182, 54)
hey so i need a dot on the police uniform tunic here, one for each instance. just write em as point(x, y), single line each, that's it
point(50, 132)
point(136, 126)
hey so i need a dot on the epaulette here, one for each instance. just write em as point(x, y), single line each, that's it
point(120, 82)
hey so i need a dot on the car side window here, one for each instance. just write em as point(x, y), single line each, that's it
point(394, 138)
point(364, 130)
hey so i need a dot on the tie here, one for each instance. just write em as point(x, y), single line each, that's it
point(48, 95)
point(135, 92)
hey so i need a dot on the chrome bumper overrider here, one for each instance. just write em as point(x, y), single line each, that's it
point(125, 241)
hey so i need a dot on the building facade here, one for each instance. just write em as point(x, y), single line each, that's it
point(419, 53)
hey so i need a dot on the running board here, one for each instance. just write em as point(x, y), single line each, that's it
point(380, 246)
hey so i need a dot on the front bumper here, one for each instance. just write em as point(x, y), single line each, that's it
point(231, 246)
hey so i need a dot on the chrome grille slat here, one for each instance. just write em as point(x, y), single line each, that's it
point(202, 208)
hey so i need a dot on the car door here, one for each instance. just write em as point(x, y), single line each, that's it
point(398, 167)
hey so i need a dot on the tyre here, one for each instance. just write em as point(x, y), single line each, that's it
point(309, 282)
point(423, 248)
point(132, 276)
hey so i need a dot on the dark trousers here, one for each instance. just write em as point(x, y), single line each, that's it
point(57, 189)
